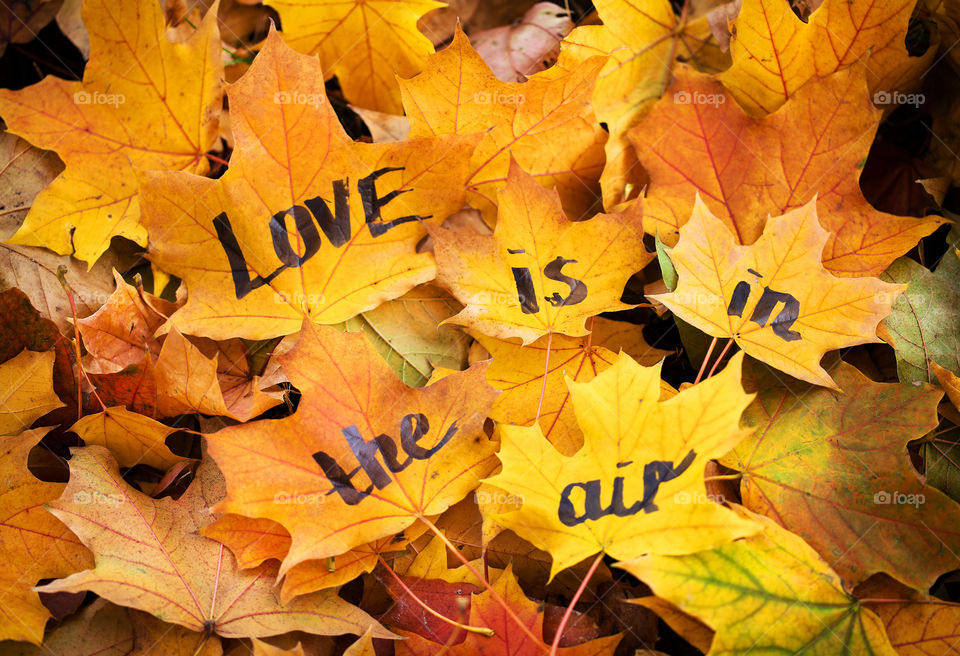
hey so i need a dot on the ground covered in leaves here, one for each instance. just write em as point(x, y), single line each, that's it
point(387, 327)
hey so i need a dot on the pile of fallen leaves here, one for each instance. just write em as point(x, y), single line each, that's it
point(384, 327)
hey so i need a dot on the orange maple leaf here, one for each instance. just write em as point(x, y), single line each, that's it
point(145, 103)
point(697, 139)
point(363, 456)
point(249, 244)
point(546, 125)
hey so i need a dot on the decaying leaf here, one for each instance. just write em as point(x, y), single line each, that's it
point(33, 543)
point(155, 559)
point(833, 468)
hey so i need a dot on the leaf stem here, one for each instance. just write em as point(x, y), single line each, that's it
point(218, 160)
point(573, 602)
point(703, 365)
point(720, 357)
point(486, 584)
point(482, 630)
point(81, 374)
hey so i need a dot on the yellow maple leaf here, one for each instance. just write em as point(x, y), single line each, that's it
point(144, 103)
point(645, 456)
point(518, 371)
point(769, 593)
point(775, 53)
point(305, 222)
point(26, 390)
point(774, 298)
point(548, 126)
point(539, 272)
point(643, 41)
point(365, 43)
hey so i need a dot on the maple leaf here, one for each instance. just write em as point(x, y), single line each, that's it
point(916, 624)
point(365, 43)
point(248, 245)
point(925, 320)
point(193, 581)
point(22, 327)
point(834, 468)
point(518, 372)
point(546, 125)
point(697, 139)
point(21, 22)
point(429, 580)
point(768, 593)
point(643, 41)
point(775, 52)
point(647, 455)
point(124, 328)
point(254, 540)
point(187, 380)
point(144, 103)
point(312, 575)
point(33, 544)
point(486, 611)
point(406, 333)
point(503, 279)
point(26, 390)
point(774, 298)
point(431, 448)
point(132, 438)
